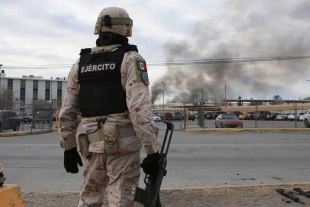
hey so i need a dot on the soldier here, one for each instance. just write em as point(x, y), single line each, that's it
point(108, 85)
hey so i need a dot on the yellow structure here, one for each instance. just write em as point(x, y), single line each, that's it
point(282, 107)
point(11, 196)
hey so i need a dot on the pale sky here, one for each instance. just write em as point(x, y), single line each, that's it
point(44, 38)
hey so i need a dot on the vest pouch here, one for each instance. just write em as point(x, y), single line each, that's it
point(83, 145)
point(110, 138)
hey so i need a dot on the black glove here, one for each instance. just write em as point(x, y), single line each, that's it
point(150, 164)
point(72, 158)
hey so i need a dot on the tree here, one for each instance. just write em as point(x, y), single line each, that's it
point(6, 98)
point(277, 99)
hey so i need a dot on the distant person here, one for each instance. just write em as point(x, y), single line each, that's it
point(108, 85)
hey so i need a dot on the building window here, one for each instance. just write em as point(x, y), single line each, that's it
point(22, 84)
point(47, 90)
point(35, 84)
point(10, 84)
point(59, 95)
point(35, 94)
point(22, 94)
point(59, 85)
point(47, 94)
point(47, 85)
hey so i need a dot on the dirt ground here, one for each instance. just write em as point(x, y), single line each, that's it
point(228, 196)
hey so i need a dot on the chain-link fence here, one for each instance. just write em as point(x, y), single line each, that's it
point(34, 117)
point(254, 116)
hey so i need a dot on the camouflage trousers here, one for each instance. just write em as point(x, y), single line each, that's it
point(118, 174)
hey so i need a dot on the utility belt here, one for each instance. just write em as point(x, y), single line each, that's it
point(109, 133)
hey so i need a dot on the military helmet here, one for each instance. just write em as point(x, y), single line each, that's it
point(115, 20)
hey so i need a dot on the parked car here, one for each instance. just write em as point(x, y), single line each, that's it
point(301, 117)
point(210, 115)
point(191, 116)
point(242, 116)
point(11, 120)
point(293, 116)
point(159, 115)
point(249, 115)
point(218, 113)
point(307, 118)
point(228, 121)
point(25, 117)
point(272, 116)
point(261, 115)
point(281, 117)
point(178, 116)
point(167, 116)
point(156, 118)
point(237, 113)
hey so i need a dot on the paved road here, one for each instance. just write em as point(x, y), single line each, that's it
point(195, 160)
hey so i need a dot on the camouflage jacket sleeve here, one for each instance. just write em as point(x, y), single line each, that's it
point(68, 122)
point(139, 103)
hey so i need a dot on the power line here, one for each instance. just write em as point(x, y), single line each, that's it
point(177, 62)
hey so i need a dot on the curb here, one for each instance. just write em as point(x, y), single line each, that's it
point(207, 130)
point(10, 195)
point(28, 132)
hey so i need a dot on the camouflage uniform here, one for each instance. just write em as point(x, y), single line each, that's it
point(118, 173)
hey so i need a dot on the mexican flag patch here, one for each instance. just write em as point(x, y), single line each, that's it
point(141, 65)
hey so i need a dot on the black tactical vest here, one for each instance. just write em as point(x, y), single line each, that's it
point(101, 91)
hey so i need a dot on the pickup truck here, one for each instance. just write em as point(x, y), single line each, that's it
point(307, 118)
point(191, 116)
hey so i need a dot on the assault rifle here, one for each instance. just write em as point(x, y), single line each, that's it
point(149, 196)
point(301, 192)
point(289, 195)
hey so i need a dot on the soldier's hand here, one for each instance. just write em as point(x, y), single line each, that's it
point(71, 160)
point(150, 164)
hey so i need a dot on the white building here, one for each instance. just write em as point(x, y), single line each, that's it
point(28, 89)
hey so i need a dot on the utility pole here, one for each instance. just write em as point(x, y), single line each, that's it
point(51, 99)
point(225, 97)
point(201, 114)
point(163, 94)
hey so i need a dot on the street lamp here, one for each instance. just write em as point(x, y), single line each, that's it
point(163, 93)
point(51, 85)
point(214, 96)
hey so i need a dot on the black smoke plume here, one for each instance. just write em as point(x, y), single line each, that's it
point(242, 29)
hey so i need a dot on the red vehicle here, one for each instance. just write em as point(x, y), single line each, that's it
point(25, 117)
point(228, 121)
point(167, 116)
